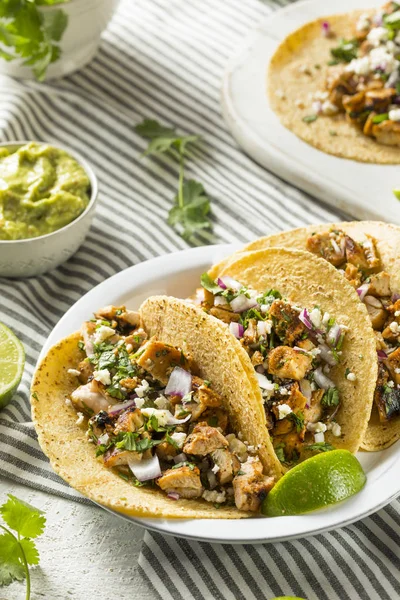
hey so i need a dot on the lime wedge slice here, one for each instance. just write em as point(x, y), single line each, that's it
point(319, 481)
point(12, 361)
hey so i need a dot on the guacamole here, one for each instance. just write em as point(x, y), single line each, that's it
point(42, 188)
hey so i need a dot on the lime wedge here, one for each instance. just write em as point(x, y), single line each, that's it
point(319, 481)
point(12, 361)
point(397, 193)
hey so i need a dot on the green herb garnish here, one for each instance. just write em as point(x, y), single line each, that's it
point(310, 118)
point(209, 284)
point(331, 397)
point(189, 215)
point(346, 51)
point(298, 420)
point(380, 118)
point(320, 447)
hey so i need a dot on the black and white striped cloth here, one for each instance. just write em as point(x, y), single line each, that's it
point(164, 59)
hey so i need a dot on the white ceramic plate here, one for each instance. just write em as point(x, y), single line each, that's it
point(178, 274)
point(362, 190)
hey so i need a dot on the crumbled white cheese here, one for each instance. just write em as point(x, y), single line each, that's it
point(103, 375)
point(283, 411)
point(394, 327)
point(179, 438)
point(74, 372)
point(316, 317)
point(103, 333)
point(319, 437)
point(161, 402)
point(316, 427)
point(215, 469)
point(139, 402)
point(360, 66)
point(68, 402)
point(142, 389)
point(351, 376)
point(363, 23)
point(336, 430)
point(390, 384)
point(214, 496)
point(394, 115)
point(80, 419)
point(330, 109)
point(377, 35)
point(162, 416)
point(284, 391)
point(397, 370)
point(129, 348)
point(397, 313)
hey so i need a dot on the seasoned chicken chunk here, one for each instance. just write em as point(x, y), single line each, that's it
point(329, 245)
point(203, 397)
point(393, 364)
point(216, 417)
point(203, 440)
point(379, 285)
point(87, 330)
point(130, 420)
point(120, 314)
point(287, 363)
point(90, 398)
point(166, 451)
point(86, 368)
point(377, 313)
point(115, 457)
point(250, 335)
point(251, 486)
point(294, 398)
point(387, 399)
point(387, 133)
point(355, 254)
point(227, 463)
point(353, 275)
point(314, 409)
point(287, 323)
point(184, 481)
point(224, 314)
point(160, 359)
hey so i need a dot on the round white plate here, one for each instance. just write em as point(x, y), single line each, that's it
point(178, 274)
point(352, 186)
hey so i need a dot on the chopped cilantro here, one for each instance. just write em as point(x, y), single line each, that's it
point(380, 118)
point(298, 420)
point(320, 447)
point(209, 284)
point(280, 452)
point(310, 118)
point(81, 345)
point(345, 51)
point(331, 397)
point(185, 463)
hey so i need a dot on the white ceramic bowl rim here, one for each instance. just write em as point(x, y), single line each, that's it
point(89, 172)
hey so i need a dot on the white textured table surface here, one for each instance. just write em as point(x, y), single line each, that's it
point(84, 551)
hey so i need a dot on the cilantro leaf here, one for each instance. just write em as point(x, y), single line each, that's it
point(163, 138)
point(191, 209)
point(30, 551)
point(320, 447)
point(331, 397)
point(27, 520)
point(209, 284)
point(298, 420)
point(346, 50)
point(10, 560)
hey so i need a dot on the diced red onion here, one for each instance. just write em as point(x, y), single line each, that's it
point(117, 408)
point(262, 328)
point(322, 380)
point(229, 282)
point(179, 383)
point(326, 28)
point(393, 79)
point(180, 458)
point(326, 354)
point(305, 388)
point(362, 291)
point(173, 421)
point(305, 318)
point(220, 301)
point(242, 303)
point(378, 19)
point(173, 495)
point(264, 382)
point(334, 334)
point(236, 329)
point(381, 355)
point(145, 469)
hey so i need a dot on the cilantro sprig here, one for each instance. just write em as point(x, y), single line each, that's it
point(190, 212)
point(17, 548)
point(31, 34)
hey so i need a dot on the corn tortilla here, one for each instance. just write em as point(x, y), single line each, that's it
point(309, 281)
point(293, 79)
point(73, 458)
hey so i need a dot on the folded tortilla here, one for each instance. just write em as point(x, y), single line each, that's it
point(297, 70)
point(65, 443)
point(378, 435)
point(309, 281)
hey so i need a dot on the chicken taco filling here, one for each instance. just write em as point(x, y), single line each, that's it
point(362, 267)
point(155, 422)
point(363, 80)
point(293, 350)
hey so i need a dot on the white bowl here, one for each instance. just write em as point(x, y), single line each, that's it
point(87, 20)
point(34, 256)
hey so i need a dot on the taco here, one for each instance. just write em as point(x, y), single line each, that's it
point(334, 82)
point(309, 340)
point(367, 253)
point(150, 413)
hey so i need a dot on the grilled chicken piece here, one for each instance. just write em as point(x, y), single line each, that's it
point(287, 363)
point(393, 363)
point(250, 335)
point(387, 133)
point(120, 314)
point(91, 398)
point(87, 330)
point(287, 323)
point(183, 481)
point(355, 254)
point(353, 275)
point(203, 440)
point(295, 399)
point(86, 368)
point(329, 245)
point(227, 463)
point(379, 285)
point(202, 398)
point(130, 383)
point(305, 344)
point(252, 487)
point(377, 313)
point(257, 359)
point(224, 314)
point(130, 420)
point(216, 417)
point(283, 427)
point(159, 360)
point(387, 399)
point(339, 83)
point(313, 413)
point(354, 104)
point(371, 253)
point(115, 457)
point(136, 338)
point(379, 99)
point(166, 451)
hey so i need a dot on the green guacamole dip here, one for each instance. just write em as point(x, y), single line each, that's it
point(41, 189)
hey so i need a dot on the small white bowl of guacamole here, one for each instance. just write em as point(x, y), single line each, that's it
point(47, 202)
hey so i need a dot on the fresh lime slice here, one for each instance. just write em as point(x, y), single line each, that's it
point(397, 193)
point(319, 481)
point(12, 361)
